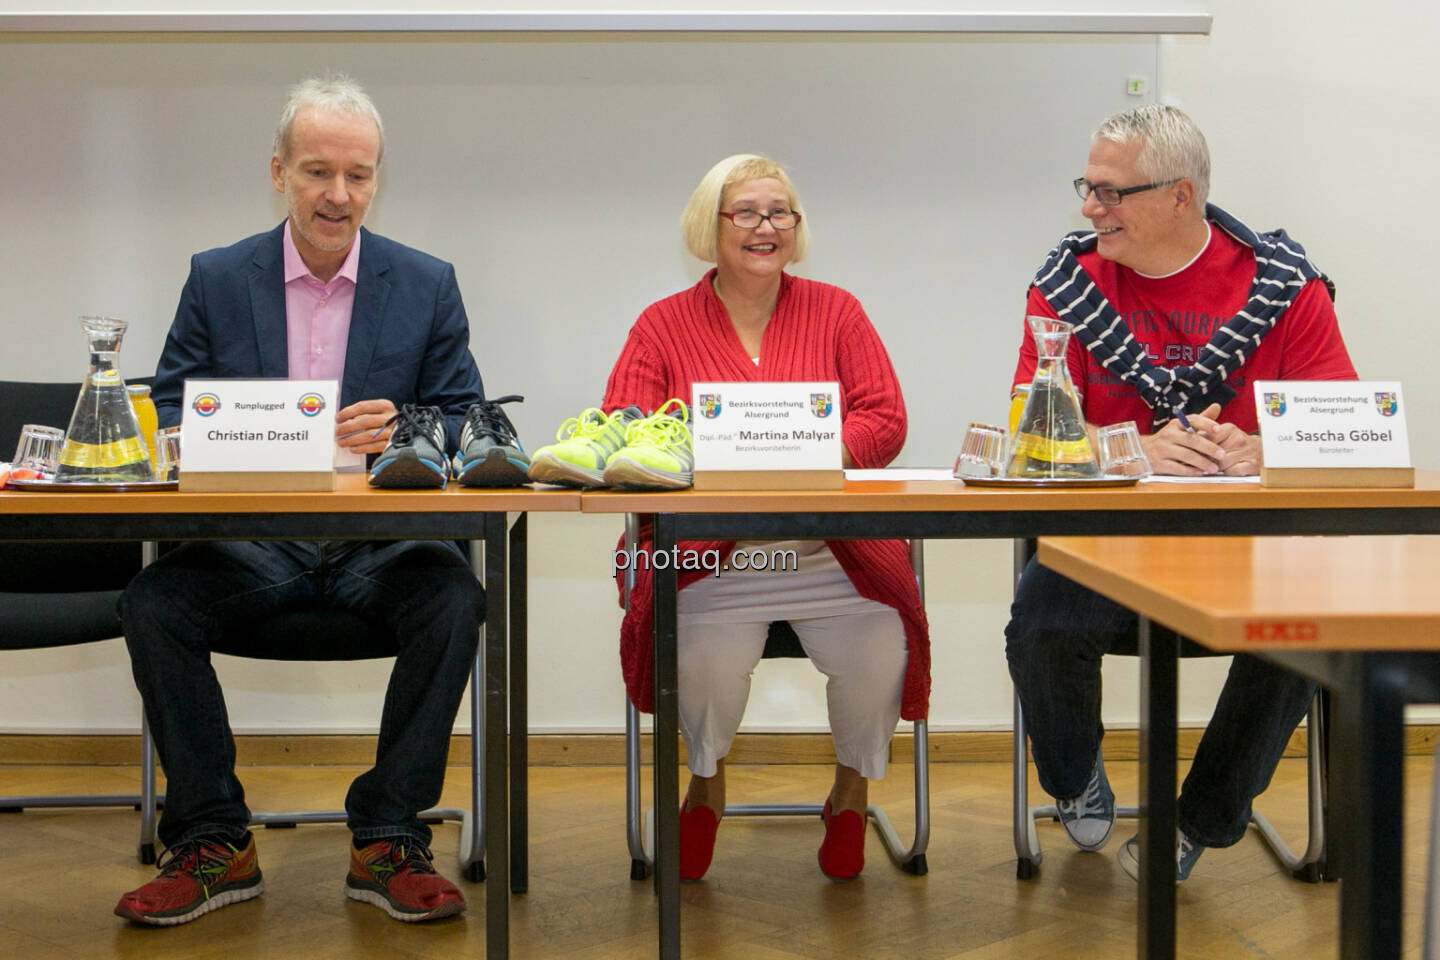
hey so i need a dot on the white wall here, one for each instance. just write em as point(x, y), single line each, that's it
point(552, 171)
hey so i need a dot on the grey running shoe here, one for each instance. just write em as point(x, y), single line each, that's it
point(584, 444)
point(1090, 817)
point(490, 454)
point(1187, 851)
point(416, 454)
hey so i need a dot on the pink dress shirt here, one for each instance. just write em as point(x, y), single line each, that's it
point(317, 315)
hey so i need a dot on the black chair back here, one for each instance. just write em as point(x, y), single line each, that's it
point(55, 594)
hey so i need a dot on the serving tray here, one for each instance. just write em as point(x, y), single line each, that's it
point(1052, 482)
point(88, 486)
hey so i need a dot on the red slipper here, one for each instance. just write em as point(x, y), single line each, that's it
point(842, 855)
point(697, 840)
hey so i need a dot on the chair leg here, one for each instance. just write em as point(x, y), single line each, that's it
point(911, 859)
point(636, 828)
point(1027, 842)
point(1309, 865)
point(472, 827)
point(148, 798)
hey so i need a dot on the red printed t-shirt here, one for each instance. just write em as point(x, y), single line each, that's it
point(1174, 316)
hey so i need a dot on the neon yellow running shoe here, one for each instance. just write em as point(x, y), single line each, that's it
point(659, 453)
point(584, 444)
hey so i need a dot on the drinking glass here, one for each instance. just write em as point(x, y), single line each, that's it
point(982, 451)
point(1121, 454)
point(37, 455)
point(167, 453)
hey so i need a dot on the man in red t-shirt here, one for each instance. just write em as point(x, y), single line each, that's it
point(1175, 308)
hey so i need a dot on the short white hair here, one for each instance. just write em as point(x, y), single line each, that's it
point(335, 93)
point(1174, 148)
point(700, 222)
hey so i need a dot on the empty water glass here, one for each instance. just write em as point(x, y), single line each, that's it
point(1121, 454)
point(167, 453)
point(37, 455)
point(982, 452)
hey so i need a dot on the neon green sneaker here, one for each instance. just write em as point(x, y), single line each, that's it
point(585, 443)
point(658, 453)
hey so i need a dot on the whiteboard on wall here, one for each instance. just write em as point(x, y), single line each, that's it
point(551, 171)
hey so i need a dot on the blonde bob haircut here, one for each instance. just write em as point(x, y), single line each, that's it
point(700, 223)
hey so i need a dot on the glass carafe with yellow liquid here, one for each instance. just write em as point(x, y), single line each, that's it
point(103, 443)
point(1050, 441)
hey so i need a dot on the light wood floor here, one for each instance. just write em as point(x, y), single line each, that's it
point(764, 898)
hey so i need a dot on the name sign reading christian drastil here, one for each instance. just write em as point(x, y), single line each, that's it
point(766, 436)
point(1333, 433)
point(258, 435)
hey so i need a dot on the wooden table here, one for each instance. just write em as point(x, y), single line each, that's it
point(931, 509)
point(1359, 614)
point(355, 511)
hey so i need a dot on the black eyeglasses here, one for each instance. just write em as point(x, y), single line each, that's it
point(1111, 196)
point(750, 219)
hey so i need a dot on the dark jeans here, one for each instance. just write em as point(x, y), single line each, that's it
point(205, 596)
point(1058, 632)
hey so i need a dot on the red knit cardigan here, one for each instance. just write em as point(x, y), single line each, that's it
point(818, 332)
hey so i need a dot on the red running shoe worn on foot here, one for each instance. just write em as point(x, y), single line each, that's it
point(396, 875)
point(842, 854)
point(196, 876)
point(697, 840)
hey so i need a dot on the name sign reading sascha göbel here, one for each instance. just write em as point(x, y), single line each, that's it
point(1333, 433)
point(769, 427)
point(1332, 423)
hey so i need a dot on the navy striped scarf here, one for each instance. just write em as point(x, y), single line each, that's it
point(1281, 271)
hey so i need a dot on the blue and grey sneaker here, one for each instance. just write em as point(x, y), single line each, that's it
point(490, 454)
point(1090, 817)
point(415, 456)
point(1187, 851)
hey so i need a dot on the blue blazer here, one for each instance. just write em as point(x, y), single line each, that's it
point(409, 336)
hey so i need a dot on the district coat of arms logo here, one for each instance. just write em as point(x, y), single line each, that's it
point(821, 404)
point(1387, 403)
point(1275, 404)
point(710, 405)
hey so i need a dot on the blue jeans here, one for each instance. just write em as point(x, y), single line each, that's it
point(178, 609)
point(1058, 632)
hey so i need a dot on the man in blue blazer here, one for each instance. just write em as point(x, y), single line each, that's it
point(316, 298)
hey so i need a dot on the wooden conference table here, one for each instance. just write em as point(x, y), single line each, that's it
point(355, 511)
point(948, 509)
point(1361, 615)
point(862, 509)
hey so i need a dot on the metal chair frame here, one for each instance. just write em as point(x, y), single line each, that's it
point(52, 403)
point(640, 828)
point(1309, 865)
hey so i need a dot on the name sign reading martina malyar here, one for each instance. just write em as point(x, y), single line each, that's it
point(1333, 433)
point(258, 435)
point(767, 436)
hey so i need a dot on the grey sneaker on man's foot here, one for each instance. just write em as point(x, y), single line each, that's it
point(1187, 851)
point(1090, 817)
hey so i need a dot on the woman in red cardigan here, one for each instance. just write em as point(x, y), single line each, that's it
point(853, 604)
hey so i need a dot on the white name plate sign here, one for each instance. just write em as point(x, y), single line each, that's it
point(258, 435)
point(767, 436)
point(1333, 433)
